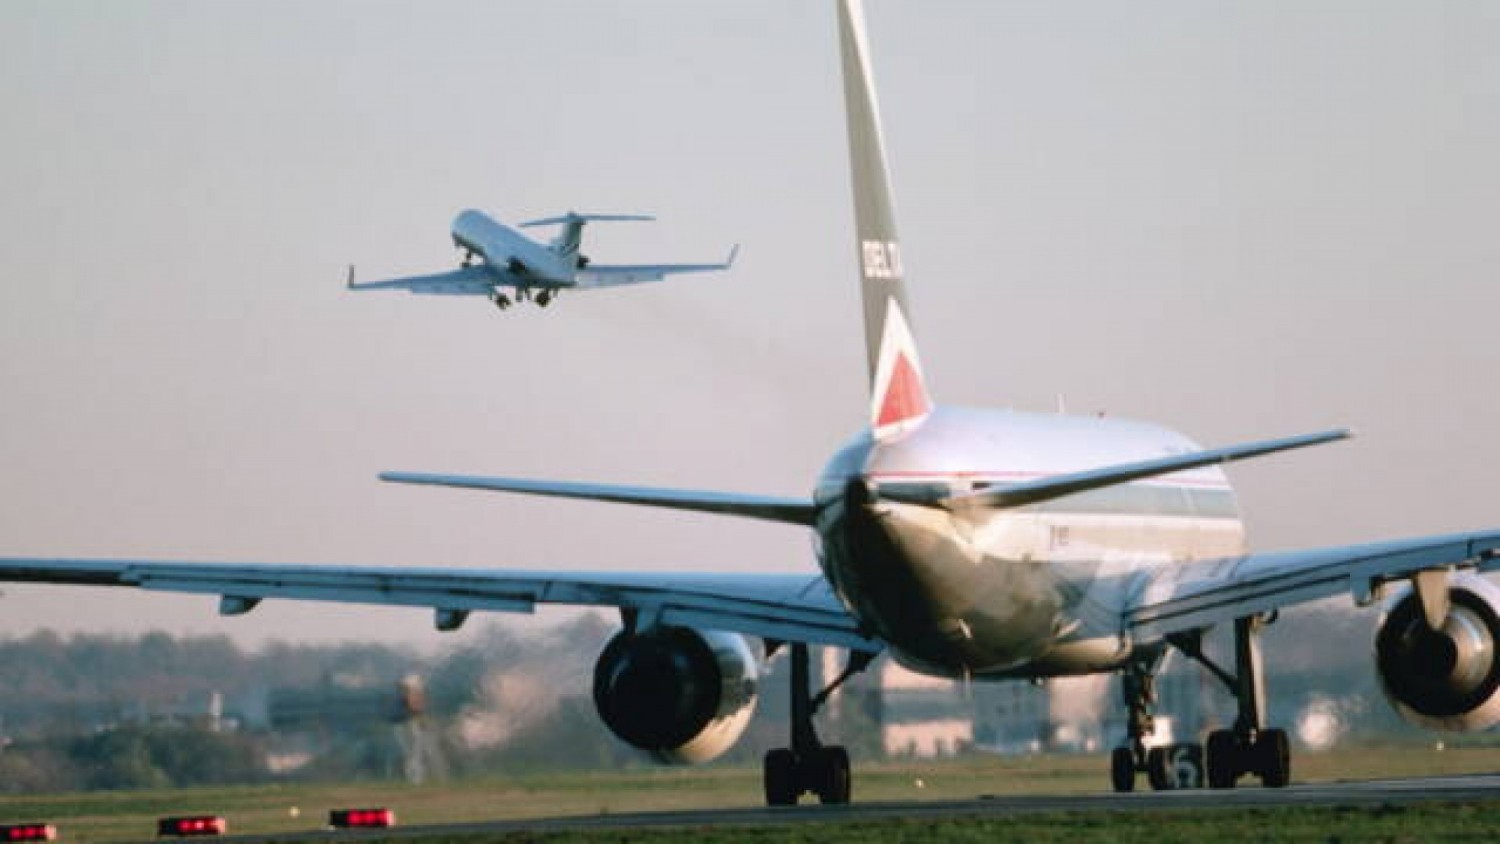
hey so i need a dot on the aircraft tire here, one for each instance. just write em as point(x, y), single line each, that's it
point(831, 773)
point(1122, 770)
point(1156, 769)
point(1223, 759)
point(1273, 757)
point(780, 777)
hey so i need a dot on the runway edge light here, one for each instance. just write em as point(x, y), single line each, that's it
point(361, 818)
point(28, 832)
point(191, 825)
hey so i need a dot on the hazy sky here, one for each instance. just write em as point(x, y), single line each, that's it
point(1242, 220)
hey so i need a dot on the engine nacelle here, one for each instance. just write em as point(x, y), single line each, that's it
point(1447, 679)
point(682, 695)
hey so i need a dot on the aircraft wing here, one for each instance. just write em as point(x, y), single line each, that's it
point(465, 281)
point(605, 275)
point(786, 607)
point(1197, 595)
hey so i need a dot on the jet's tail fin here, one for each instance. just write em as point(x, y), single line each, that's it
point(898, 391)
point(570, 239)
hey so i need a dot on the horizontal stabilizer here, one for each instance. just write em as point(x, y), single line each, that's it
point(616, 275)
point(571, 217)
point(1057, 486)
point(797, 511)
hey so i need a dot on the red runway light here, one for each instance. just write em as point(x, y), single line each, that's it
point(192, 825)
point(361, 818)
point(28, 832)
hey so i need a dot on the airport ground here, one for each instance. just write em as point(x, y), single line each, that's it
point(290, 810)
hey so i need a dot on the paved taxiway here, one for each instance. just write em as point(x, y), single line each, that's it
point(1363, 793)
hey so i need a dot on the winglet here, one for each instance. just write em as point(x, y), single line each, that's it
point(734, 252)
point(349, 283)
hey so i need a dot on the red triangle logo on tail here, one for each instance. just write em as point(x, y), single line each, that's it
point(898, 398)
point(905, 398)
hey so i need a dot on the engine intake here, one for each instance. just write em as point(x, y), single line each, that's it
point(682, 695)
point(1446, 679)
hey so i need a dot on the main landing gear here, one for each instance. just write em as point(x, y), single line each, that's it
point(1249, 748)
point(809, 766)
point(543, 298)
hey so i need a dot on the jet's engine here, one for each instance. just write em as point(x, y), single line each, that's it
point(1447, 679)
point(683, 695)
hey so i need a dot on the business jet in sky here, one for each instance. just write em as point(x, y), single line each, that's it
point(965, 543)
point(507, 267)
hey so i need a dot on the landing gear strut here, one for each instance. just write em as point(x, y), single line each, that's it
point(1166, 766)
point(809, 766)
point(1249, 748)
point(1138, 686)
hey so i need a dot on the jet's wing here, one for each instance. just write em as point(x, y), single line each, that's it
point(787, 607)
point(465, 281)
point(604, 275)
point(1197, 595)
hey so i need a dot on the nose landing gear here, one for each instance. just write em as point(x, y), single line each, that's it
point(1165, 767)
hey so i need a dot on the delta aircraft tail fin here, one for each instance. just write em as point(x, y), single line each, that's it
point(898, 390)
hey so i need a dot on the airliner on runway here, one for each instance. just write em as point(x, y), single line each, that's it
point(973, 544)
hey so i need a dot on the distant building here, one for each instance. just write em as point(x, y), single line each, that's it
point(920, 715)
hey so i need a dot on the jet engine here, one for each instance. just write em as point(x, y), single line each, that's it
point(683, 695)
point(1445, 679)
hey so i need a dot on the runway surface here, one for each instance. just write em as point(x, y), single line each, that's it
point(1363, 793)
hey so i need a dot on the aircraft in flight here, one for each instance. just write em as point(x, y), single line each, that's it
point(966, 543)
point(497, 259)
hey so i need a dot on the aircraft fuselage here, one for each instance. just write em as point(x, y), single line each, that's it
point(528, 262)
point(1027, 591)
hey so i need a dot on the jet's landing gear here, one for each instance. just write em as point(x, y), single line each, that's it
point(502, 301)
point(544, 297)
point(1138, 687)
point(809, 766)
point(1249, 748)
point(1165, 767)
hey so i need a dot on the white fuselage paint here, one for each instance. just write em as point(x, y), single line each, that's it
point(501, 247)
point(1030, 591)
